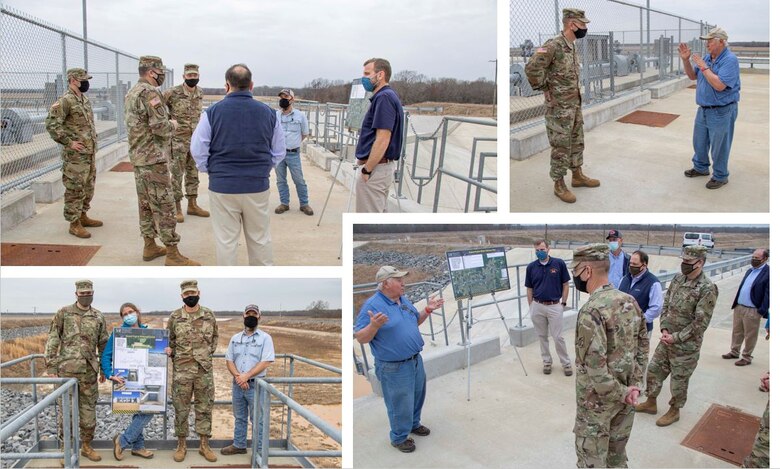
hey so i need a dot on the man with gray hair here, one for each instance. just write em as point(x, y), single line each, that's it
point(717, 94)
point(389, 323)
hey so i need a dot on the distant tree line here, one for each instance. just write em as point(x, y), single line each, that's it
point(398, 228)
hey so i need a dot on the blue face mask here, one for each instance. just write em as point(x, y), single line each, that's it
point(131, 319)
point(367, 85)
point(613, 246)
point(541, 255)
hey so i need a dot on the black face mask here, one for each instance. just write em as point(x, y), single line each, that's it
point(85, 300)
point(580, 33)
point(250, 322)
point(686, 269)
point(284, 103)
point(579, 284)
point(160, 79)
point(192, 82)
point(756, 262)
point(634, 270)
point(191, 301)
point(84, 86)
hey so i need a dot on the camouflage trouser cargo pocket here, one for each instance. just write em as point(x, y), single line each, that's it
point(567, 139)
point(156, 209)
point(78, 178)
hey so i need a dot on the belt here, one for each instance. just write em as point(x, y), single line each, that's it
point(382, 161)
point(410, 358)
point(293, 150)
point(548, 303)
point(713, 107)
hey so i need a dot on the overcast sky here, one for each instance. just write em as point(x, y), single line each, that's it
point(48, 295)
point(292, 42)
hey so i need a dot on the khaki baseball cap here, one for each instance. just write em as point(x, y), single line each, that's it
point(287, 91)
point(387, 272)
point(716, 32)
point(254, 308)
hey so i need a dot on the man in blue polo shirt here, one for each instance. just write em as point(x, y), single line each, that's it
point(389, 323)
point(381, 139)
point(547, 289)
point(644, 287)
point(717, 94)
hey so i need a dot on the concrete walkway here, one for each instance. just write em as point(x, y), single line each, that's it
point(518, 421)
point(641, 168)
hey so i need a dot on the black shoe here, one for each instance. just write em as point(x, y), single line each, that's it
point(715, 184)
point(422, 430)
point(729, 356)
point(407, 446)
point(692, 173)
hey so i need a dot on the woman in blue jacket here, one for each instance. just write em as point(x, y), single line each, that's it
point(133, 437)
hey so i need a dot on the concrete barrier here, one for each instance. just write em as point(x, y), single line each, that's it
point(668, 87)
point(321, 157)
point(17, 206)
point(520, 337)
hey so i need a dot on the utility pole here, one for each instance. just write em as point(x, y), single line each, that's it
point(495, 87)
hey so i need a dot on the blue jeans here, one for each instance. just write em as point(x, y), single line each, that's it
point(134, 435)
point(713, 132)
point(403, 386)
point(292, 161)
point(243, 404)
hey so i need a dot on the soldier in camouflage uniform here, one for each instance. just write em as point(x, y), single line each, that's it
point(611, 348)
point(76, 341)
point(149, 131)
point(185, 103)
point(554, 69)
point(71, 123)
point(759, 456)
point(686, 313)
point(193, 338)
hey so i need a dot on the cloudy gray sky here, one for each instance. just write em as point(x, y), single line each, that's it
point(290, 43)
point(48, 295)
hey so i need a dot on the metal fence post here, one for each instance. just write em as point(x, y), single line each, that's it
point(288, 437)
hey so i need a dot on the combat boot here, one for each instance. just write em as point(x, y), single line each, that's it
point(179, 214)
point(648, 407)
point(193, 209)
point(181, 449)
point(77, 230)
point(205, 450)
point(578, 179)
point(86, 450)
point(152, 250)
point(174, 257)
point(669, 418)
point(563, 192)
point(89, 222)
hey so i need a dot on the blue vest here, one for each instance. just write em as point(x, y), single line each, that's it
point(640, 292)
point(242, 130)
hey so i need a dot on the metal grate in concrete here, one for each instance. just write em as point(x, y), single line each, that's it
point(650, 119)
point(123, 167)
point(45, 254)
point(724, 433)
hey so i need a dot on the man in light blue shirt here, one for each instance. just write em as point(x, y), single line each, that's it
point(618, 259)
point(750, 305)
point(296, 129)
point(248, 355)
point(717, 94)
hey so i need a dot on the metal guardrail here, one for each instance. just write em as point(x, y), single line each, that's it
point(70, 386)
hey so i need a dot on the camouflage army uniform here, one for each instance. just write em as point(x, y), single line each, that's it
point(71, 119)
point(149, 133)
point(193, 338)
point(759, 457)
point(76, 342)
point(611, 348)
point(185, 107)
point(686, 313)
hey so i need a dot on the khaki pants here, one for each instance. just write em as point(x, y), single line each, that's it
point(747, 321)
point(371, 196)
point(229, 212)
point(548, 320)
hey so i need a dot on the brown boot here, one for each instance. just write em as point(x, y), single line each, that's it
point(648, 407)
point(89, 222)
point(179, 214)
point(669, 418)
point(86, 450)
point(77, 230)
point(193, 209)
point(578, 179)
point(181, 449)
point(152, 250)
point(563, 192)
point(174, 257)
point(204, 449)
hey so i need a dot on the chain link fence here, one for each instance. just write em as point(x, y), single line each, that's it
point(34, 56)
point(628, 46)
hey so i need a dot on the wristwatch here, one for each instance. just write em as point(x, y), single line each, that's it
point(363, 170)
point(563, 303)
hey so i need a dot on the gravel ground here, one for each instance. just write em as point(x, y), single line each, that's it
point(19, 332)
point(436, 265)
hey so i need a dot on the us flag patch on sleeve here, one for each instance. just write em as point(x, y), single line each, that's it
point(155, 101)
point(541, 50)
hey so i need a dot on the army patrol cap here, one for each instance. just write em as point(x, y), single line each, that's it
point(694, 252)
point(287, 91)
point(151, 61)
point(191, 68)
point(575, 14)
point(388, 271)
point(79, 74)
point(189, 285)
point(254, 308)
point(83, 286)
point(591, 252)
point(716, 32)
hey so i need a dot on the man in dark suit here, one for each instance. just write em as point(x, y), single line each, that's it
point(750, 305)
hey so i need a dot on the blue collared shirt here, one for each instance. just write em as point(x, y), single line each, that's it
point(726, 67)
point(399, 338)
point(201, 139)
point(656, 300)
point(295, 126)
point(616, 268)
point(385, 112)
point(744, 292)
point(246, 351)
